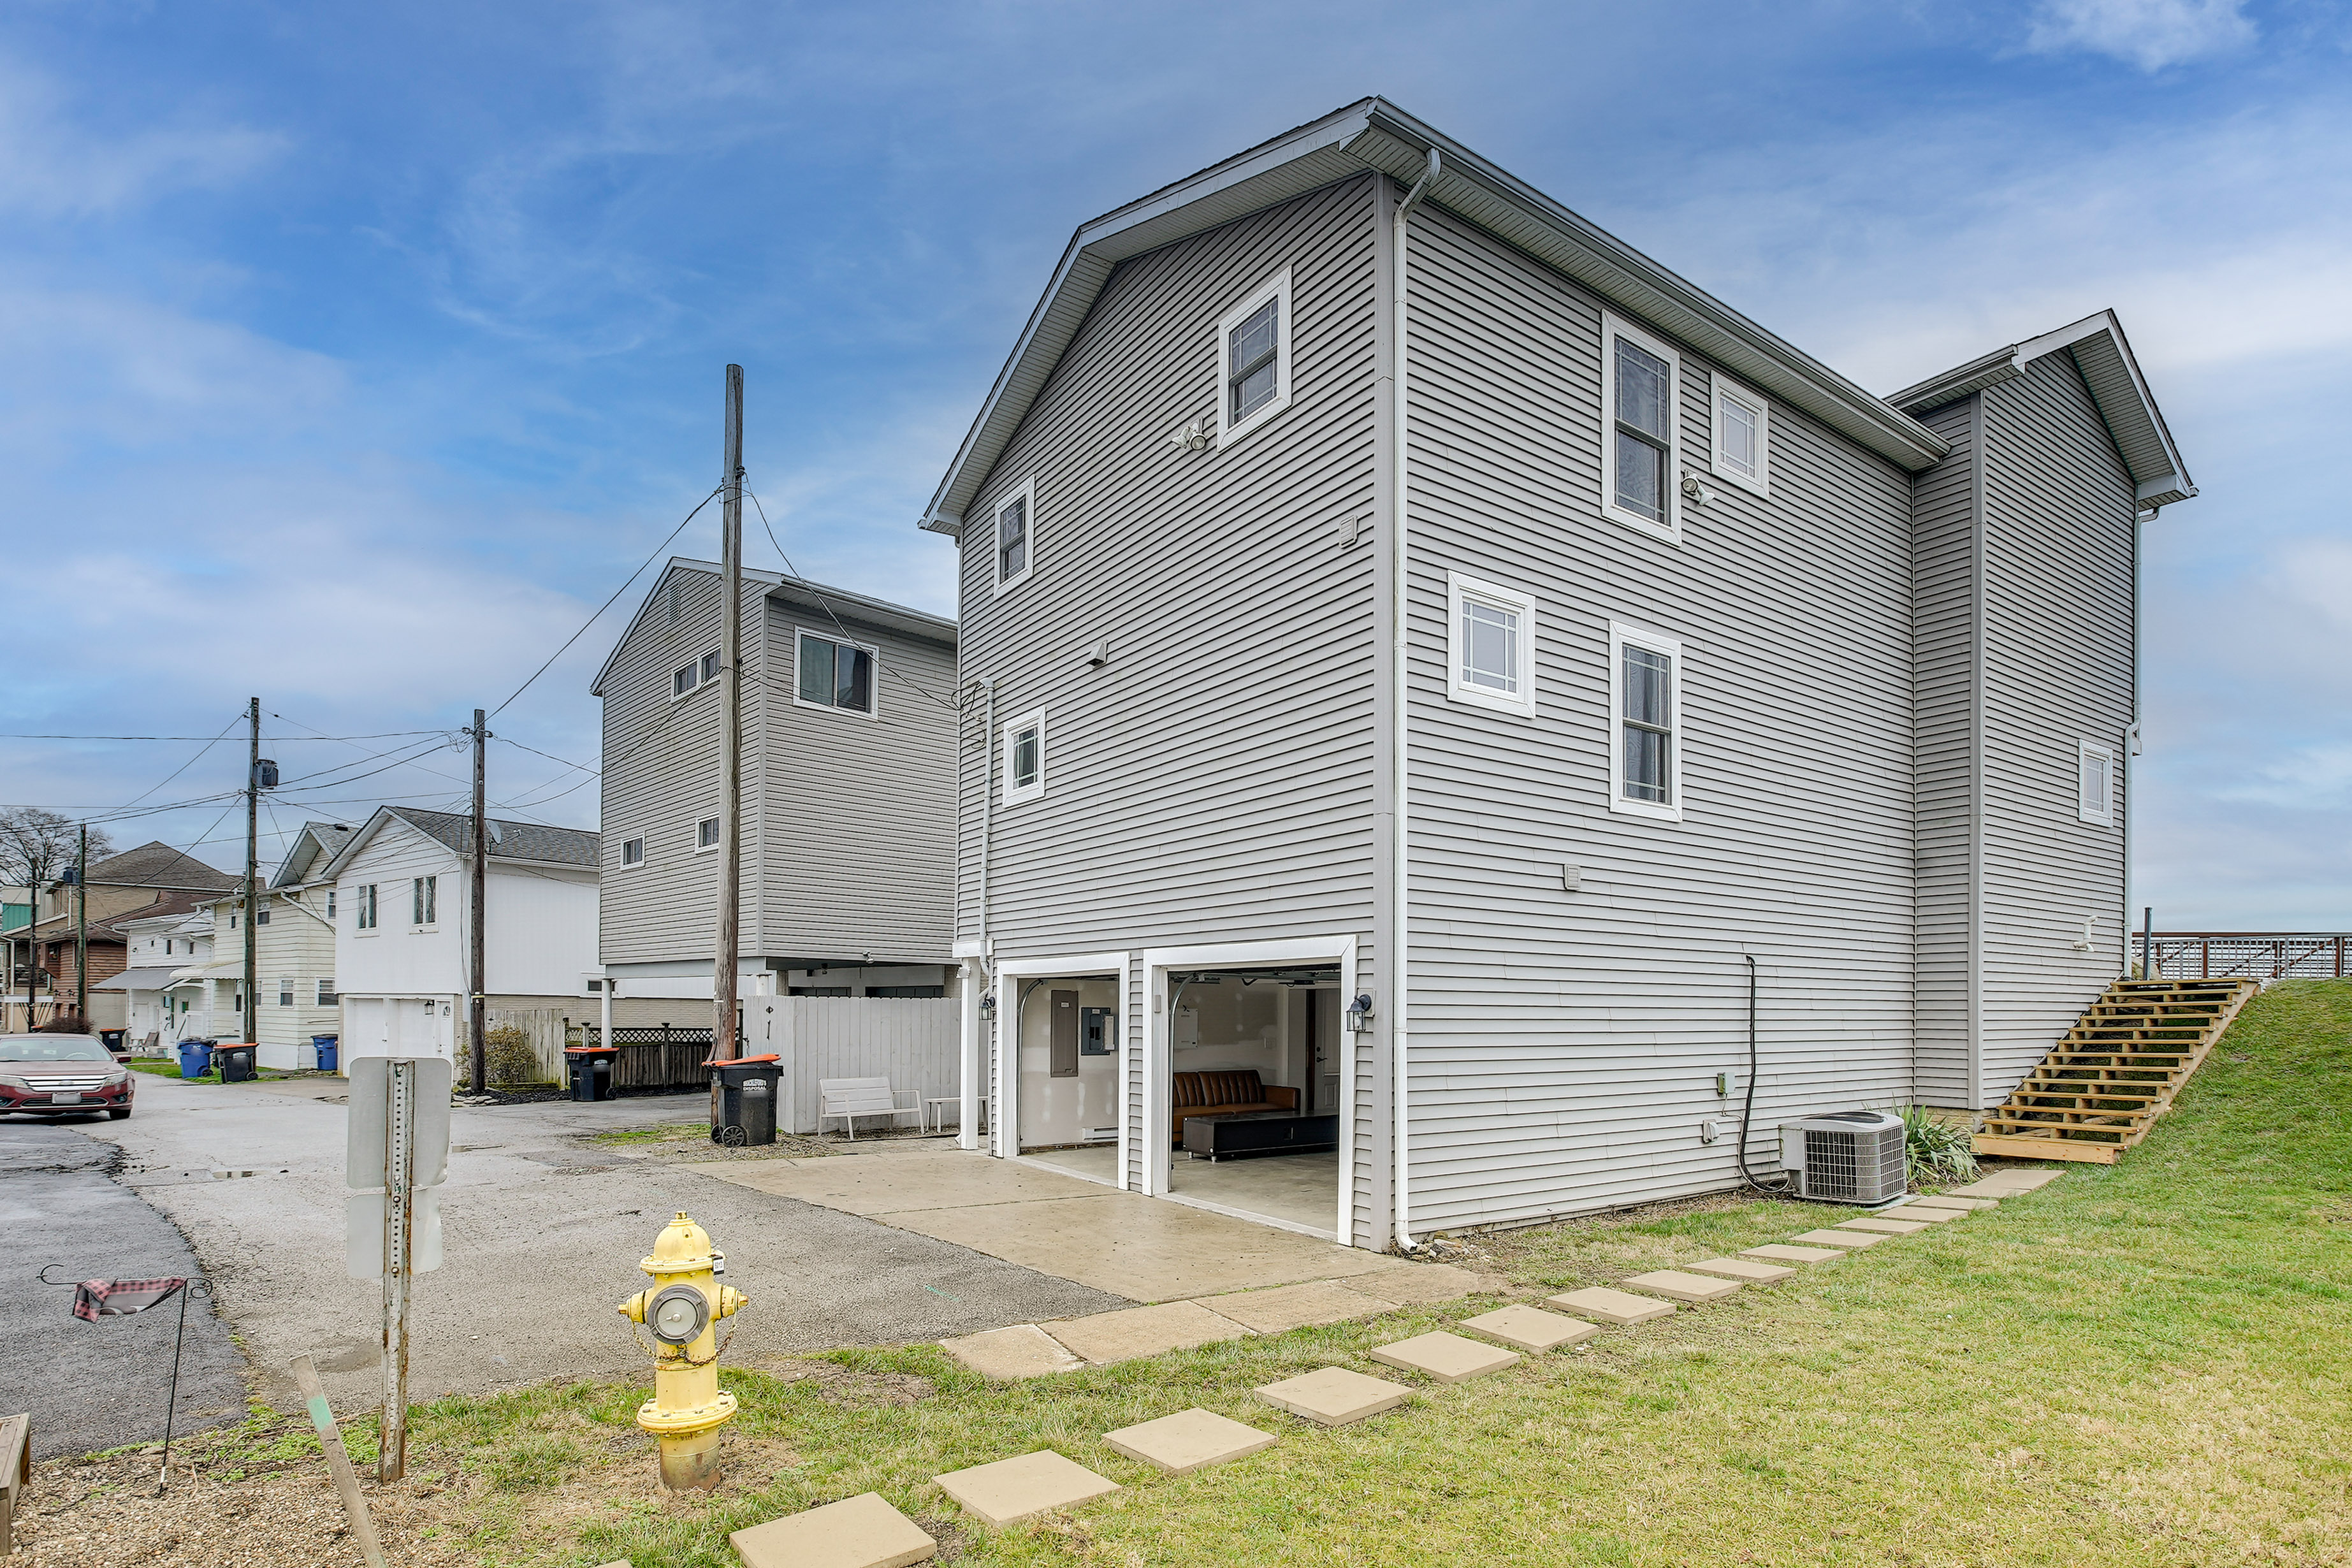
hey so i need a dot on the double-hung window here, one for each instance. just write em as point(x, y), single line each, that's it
point(330, 915)
point(705, 835)
point(1025, 758)
point(285, 992)
point(365, 913)
point(833, 674)
point(1645, 703)
point(424, 901)
point(2095, 782)
point(1742, 434)
point(633, 852)
point(327, 991)
point(1638, 401)
point(1254, 359)
point(1490, 645)
point(1016, 535)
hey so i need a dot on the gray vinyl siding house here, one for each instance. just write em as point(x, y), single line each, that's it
point(848, 847)
point(1891, 629)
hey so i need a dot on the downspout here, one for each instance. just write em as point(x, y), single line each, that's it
point(1400, 600)
point(2131, 736)
point(982, 969)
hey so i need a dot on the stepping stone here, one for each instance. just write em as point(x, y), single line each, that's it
point(1619, 1307)
point(1883, 1226)
point(1921, 1214)
point(1795, 1254)
point(1144, 1330)
point(1945, 1201)
point(1528, 1329)
point(1839, 1238)
point(1025, 1350)
point(1684, 1287)
point(1189, 1440)
point(1011, 1490)
point(1740, 1268)
point(2007, 1183)
point(1334, 1395)
point(1449, 1358)
point(1299, 1305)
point(862, 1531)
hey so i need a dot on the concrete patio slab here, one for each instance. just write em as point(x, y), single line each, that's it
point(1780, 1252)
point(863, 1531)
point(1604, 1305)
point(1333, 1396)
point(1025, 1350)
point(1449, 1358)
point(1301, 1305)
point(1883, 1226)
point(1530, 1329)
point(1850, 1238)
point(1684, 1287)
point(901, 1181)
point(1740, 1268)
point(1011, 1490)
point(1132, 1331)
point(1189, 1440)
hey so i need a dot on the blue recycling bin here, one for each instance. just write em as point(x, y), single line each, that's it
point(196, 1058)
point(325, 1045)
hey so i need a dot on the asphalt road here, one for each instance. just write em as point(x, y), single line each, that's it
point(542, 1233)
point(101, 1385)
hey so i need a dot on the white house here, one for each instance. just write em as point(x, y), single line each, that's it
point(400, 891)
point(163, 986)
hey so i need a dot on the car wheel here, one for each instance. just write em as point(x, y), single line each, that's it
point(117, 1115)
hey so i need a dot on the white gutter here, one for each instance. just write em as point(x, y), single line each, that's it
point(1399, 845)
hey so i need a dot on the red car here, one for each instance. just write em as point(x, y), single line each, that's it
point(62, 1075)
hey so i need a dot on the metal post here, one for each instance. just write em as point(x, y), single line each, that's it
point(400, 1169)
point(172, 1399)
point(475, 984)
point(730, 728)
point(252, 1030)
point(605, 1024)
point(2147, 942)
point(81, 929)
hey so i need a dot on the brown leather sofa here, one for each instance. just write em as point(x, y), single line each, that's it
point(1216, 1093)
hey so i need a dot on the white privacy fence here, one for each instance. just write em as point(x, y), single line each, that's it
point(909, 1041)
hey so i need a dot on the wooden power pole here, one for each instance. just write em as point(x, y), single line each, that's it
point(731, 727)
point(252, 1021)
point(82, 931)
point(477, 1004)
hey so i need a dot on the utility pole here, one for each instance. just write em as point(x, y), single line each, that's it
point(252, 865)
point(475, 1009)
point(81, 928)
point(730, 732)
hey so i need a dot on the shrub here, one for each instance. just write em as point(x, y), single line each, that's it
point(1935, 1150)
point(507, 1057)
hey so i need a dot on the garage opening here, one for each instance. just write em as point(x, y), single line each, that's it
point(1254, 1090)
point(1068, 1059)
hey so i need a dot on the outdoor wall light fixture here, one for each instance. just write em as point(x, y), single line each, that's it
point(1193, 438)
point(1700, 492)
point(1360, 1012)
point(988, 1007)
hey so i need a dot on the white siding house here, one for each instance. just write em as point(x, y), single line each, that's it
point(1420, 651)
point(401, 888)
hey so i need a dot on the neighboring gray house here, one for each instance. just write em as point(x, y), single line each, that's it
point(848, 793)
point(1693, 654)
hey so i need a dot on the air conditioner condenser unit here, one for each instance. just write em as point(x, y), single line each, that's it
point(1845, 1157)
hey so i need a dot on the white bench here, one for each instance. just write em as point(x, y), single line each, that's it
point(847, 1099)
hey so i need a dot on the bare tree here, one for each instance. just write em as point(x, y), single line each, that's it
point(36, 846)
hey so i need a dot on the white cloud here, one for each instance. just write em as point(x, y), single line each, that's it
point(2149, 34)
point(52, 167)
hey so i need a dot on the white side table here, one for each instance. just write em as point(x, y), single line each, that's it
point(946, 1099)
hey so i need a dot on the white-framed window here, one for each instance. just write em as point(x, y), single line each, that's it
point(330, 915)
point(424, 901)
point(1641, 395)
point(830, 673)
point(285, 992)
point(1025, 758)
point(1490, 645)
point(2095, 782)
point(633, 852)
point(709, 667)
point(681, 681)
point(705, 835)
point(364, 907)
point(1254, 359)
point(1740, 422)
point(327, 990)
point(261, 916)
point(1645, 723)
point(1014, 535)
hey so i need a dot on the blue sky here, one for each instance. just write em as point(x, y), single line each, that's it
point(351, 356)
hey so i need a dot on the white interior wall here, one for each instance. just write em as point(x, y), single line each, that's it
point(1238, 1027)
point(1056, 1110)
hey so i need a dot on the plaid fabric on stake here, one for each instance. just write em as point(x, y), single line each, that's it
point(96, 1298)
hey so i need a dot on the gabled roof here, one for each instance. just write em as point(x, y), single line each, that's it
point(158, 865)
point(509, 841)
point(798, 591)
point(2104, 355)
point(314, 849)
point(1375, 134)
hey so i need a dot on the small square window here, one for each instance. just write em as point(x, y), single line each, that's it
point(330, 911)
point(706, 834)
point(1016, 535)
point(1743, 436)
point(681, 682)
point(1638, 411)
point(832, 674)
point(1025, 758)
point(1491, 634)
point(2095, 782)
point(1254, 359)
point(710, 668)
point(633, 852)
point(261, 917)
point(1645, 727)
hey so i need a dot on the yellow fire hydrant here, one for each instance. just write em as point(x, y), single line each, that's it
point(681, 1309)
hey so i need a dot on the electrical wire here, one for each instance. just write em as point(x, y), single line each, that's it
point(183, 767)
point(1747, 1108)
point(551, 756)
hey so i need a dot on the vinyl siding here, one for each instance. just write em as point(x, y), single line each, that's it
point(1945, 645)
point(2058, 638)
point(1564, 1047)
point(1212, 782)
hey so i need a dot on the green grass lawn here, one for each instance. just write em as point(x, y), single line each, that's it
point(2148, 1363)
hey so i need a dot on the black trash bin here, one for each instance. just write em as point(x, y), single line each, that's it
point(235, 1063)
point(113, 1040)
point(743, 1101)
point(589, 1071)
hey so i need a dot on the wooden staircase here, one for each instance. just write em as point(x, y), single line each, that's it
point(2097, 1093)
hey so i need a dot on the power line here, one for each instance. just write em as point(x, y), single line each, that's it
point(183, 767)
point(551, 756)
point(386, 735)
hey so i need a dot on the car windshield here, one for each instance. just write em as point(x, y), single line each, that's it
point(52, 1048)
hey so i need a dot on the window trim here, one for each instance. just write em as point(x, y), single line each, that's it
point(424, 900)
point(1275, 288)
point(689, 670)
point(1613, 328)
point(2083, 751)
point(712, 847)
point(1026, 493)
point(1724, 387)
point(1621, 636)
point(366, 910)
point(709, 670)
point(1461, 588)
point(638, 843)
point(1015, 795)
point(840, 640)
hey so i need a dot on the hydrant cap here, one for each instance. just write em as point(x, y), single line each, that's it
point(682, 1246)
